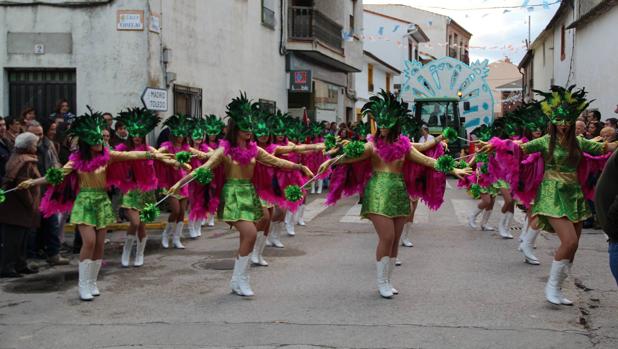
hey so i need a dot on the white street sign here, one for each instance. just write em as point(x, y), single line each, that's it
point(155, 99)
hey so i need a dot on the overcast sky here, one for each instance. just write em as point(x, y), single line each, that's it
point(490, 27)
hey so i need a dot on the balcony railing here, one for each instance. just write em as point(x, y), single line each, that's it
point(306, 23)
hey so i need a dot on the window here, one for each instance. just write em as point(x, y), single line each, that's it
point(352, 16)
point(410, 49)
point(562, 42)
point(370, 77)
point(187, 100)
point(268, 105)
point(326, 95)
point(388, 82)
point(268, 13)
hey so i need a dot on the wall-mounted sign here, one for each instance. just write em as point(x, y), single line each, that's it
point(300, 80)
point(39, 49)
point(154, 25)
point(130, 20)
point(155, 99)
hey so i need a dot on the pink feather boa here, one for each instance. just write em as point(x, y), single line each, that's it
point(98, 161)
point(60, 198)
point(426, 183)
point(391, 151)
point(241, 155)
point(167, 175)
point(131, 175)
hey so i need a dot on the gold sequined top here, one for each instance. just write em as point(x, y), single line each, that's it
point(97, 179)
point(234, 170)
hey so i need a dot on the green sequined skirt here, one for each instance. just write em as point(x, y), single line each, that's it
point(560, 199)
point(239, 202)
point(137, 200)
point(92, 207)
point(386, 195)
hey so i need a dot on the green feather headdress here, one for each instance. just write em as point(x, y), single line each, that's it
point(179, 125)
point(88, 127)
point(562, 105)
point(138, 121)
point(198, 128)
point(279, 125)
point(362, 128)
point(410, 127)
point(483, 132)
point(261, 127)
point(243, 112)
point(294, 128)
point(214, 125)
point(386, 109)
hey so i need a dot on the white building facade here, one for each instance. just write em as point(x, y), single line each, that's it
point(105, 53)
point(376, 75)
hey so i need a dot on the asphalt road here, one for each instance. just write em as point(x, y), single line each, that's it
point(458, 289)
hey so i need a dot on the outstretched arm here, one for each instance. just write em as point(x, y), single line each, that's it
point(423, 147)
point(66, 170)
point(200, 154)
point(346, 160)
point(214, 161)
point(267, 159)
point(303, 148)
point(416, 156)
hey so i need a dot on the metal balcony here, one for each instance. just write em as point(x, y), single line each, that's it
point(306, 23)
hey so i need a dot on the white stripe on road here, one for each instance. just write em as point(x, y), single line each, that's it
point(313, 209)
point(353, 215)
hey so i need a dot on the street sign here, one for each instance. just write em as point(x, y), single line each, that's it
point(300, 80)
point(155, 99)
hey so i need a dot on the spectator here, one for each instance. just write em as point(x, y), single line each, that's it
point(594, 130)
point(594, 116)
point(333, 128)
point(608, 134)
point(27, 115)
point(106, 137)
point(580, 128)
point(19, 213)
point(164, 136)
point(13, 129)
point(425, 136)
point(606, 201)
point(109, 119)
point(49, 232)
point(121, 136)
point(612, 122)
point(62, 113)
point(5, 150)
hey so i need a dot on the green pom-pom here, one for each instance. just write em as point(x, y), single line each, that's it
point(450, 134)
point(330, 142)
point(445, 164)
point(482, 157)
point(485, 169)
point(203, 175)
point(183, 157)
point(54, 176)
point(149, 213)
point(475, 191)
point(462, 164)
point(354, 149)
point(2, 196)
point(293, 193)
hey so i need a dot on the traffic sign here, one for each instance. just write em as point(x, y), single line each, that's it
point(155, 99)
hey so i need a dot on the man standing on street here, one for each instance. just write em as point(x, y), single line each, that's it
point(606, 202)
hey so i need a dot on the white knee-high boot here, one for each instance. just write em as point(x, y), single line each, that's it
point(485, 219)
point(384, 288)
point(258, 249)
point(165, 236)
point(240, 277)
point(83, 284)
point(320, 185)
point(391, 267)
point(504, 227)
point(289, 223)
point(177, 233)
point(313, 187)
point(95, 267)
point(300, 220)
point(125, 259)
point(405, 237)
point(553, 289)
point(211, 221)
point(524, 229)
point(139, 252)
point(526, 247)
point(472, 218)
point(273, 236)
